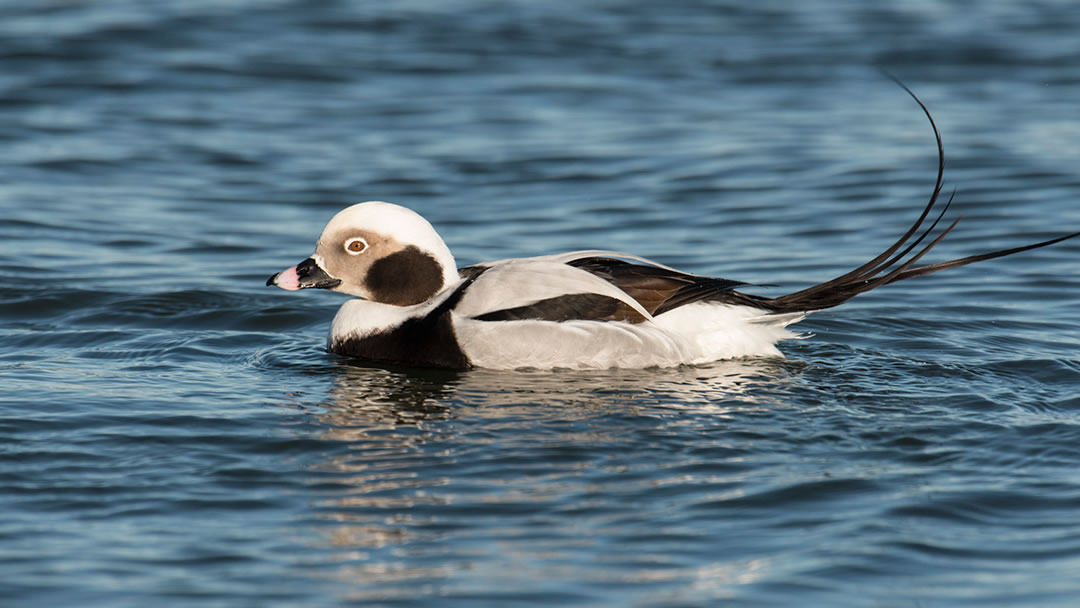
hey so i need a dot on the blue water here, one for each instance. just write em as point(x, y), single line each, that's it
point(173, 433)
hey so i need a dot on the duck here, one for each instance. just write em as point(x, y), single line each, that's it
point(412, 305)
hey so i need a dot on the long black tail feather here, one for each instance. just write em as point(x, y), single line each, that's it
point(886, 267)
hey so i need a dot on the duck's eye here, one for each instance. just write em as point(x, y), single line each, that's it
point(356, 245)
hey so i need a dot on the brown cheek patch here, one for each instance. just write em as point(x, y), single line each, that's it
point(407, 277)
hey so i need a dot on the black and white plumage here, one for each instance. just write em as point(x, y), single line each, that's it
point(586, 309)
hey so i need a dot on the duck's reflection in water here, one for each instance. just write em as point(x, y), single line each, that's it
point(390, 395)
point(363, 397)
point(428, 463)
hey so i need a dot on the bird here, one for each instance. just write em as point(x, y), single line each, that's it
point(411, 305)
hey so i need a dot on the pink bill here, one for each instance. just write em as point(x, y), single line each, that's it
point(288, 279)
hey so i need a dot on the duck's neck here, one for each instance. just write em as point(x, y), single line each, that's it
point(358, 318)
point(413, 335)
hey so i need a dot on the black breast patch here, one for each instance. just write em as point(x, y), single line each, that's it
point(427, 341)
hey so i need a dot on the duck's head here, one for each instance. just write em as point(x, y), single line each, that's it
point(376, 251)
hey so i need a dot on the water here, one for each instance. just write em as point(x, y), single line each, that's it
point(172, 432)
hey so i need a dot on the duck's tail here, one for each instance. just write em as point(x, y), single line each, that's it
point(893, 264)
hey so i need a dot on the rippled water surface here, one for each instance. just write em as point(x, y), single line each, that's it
point(173, 433)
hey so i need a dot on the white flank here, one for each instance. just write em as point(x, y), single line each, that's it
point(693, 334)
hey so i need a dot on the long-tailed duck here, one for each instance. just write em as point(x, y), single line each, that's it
point(585, 309)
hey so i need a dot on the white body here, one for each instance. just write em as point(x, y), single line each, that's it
point(693, 334)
